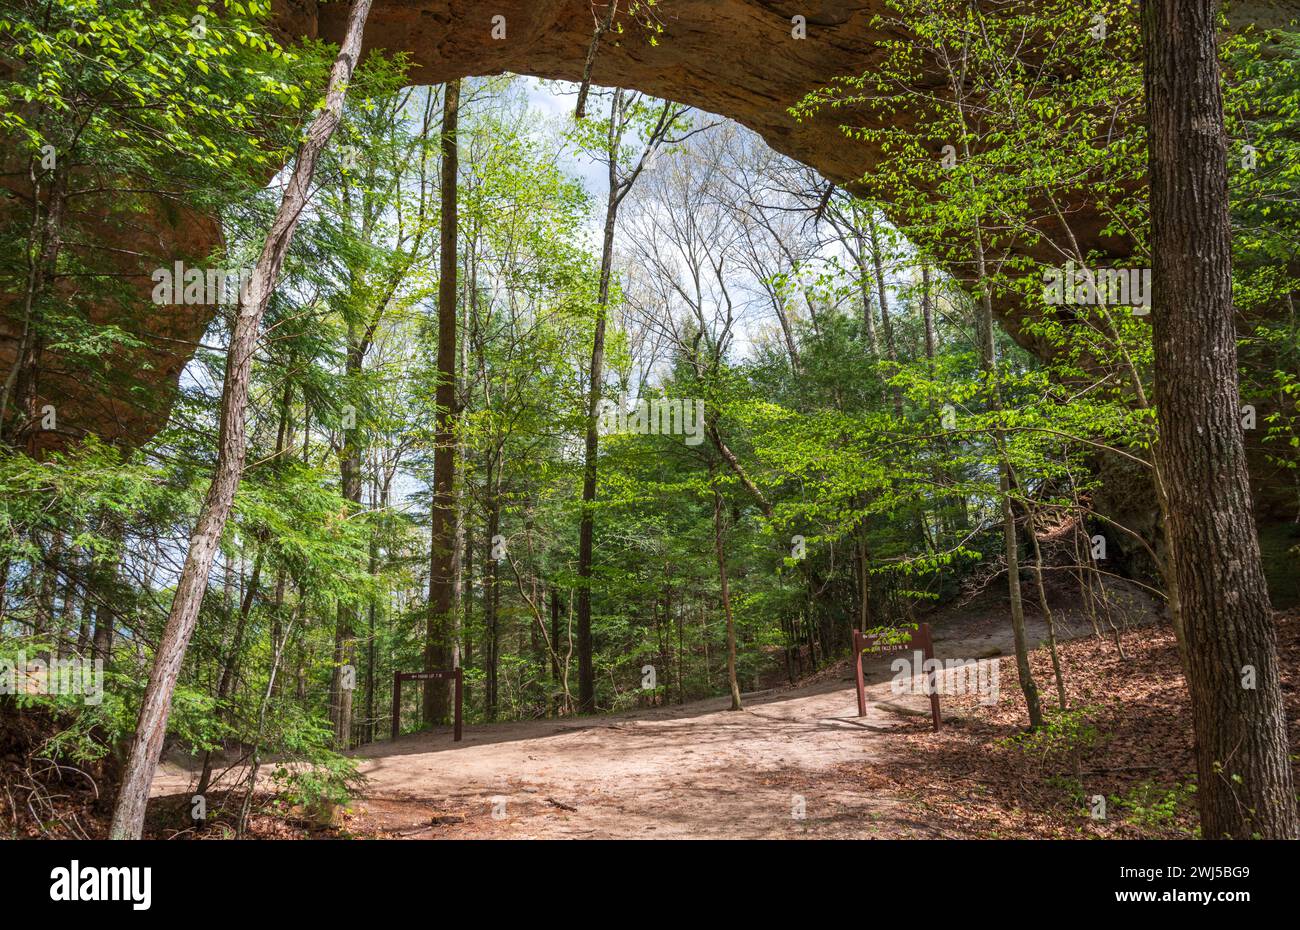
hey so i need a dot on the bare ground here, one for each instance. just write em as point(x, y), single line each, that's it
point(772, 770)
point(794, 763)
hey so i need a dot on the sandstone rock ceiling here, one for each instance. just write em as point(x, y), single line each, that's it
point(732, 57)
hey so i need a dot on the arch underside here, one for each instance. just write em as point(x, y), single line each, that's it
point(736, 58)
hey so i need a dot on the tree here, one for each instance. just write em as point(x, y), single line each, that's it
point(142, 759)
point(626, 113)
point(1244, 784)
point(441, 640)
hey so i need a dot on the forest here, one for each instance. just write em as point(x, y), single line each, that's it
point(628, 409)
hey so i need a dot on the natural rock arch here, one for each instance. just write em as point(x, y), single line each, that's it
point(737, 58)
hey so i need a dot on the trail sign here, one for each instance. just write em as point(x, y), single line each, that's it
point(441, 674)
point(918, 639)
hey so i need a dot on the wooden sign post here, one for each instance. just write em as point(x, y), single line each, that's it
point(917, 640)
point(438, 675)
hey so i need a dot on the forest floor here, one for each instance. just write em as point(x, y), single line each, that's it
point(799, 762)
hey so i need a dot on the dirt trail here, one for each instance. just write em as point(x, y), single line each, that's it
point(696, 770)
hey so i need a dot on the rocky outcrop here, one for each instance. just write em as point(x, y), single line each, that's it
point(737, 58)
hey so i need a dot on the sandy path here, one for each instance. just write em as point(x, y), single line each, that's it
point(697, 770)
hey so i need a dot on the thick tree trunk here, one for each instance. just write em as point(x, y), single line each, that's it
point(1244, 776)
point(440, 644)
point(142, 760)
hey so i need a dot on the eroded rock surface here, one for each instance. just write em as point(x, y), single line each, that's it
point(737, 58)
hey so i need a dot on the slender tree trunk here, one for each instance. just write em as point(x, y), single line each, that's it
point(368, 731)
point(864, 290)
point(21, 382)
point(1245, 784)
point(1027, 684)
point(345, 633)
point(783, 318)
point(277, 653)
point(882, 294)
point(596, 375)
point(864, 581)
point(988, 363)
point(491, 572)
point(602, 26)
point(50, 558)
point(468, 628)
point(102, 639)
point(1031, 529)
point(226, 682)
point(151, 728)
point(720, 548)
point(927, 311)
point(555, 644)
point(440, 649)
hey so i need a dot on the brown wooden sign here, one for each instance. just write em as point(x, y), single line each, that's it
point(915, 640)
point(440, 674)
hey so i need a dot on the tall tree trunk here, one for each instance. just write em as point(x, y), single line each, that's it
point(368, 731)
point(105, 580)
point(491, 579)
point(21, 382)
point(1027, 683)
point(50, 559)
point(555, 645)
point(882, 294)
point(864, 581)
point(1244, 775)
point(596, 375)
point(602, 26)
point(989, 365)
point(864, 290)
point(142, 760)
point(927, 311)
point(345, 632)
point(441, 639)
point(468, 628)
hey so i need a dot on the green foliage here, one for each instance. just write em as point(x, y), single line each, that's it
point(314, 775)
point(1158, 807)
point(854, 436)
point(1065, 736)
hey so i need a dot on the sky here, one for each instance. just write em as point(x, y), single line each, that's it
point(556, 99)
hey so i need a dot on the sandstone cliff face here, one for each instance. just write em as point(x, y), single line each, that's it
point(732, 57)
